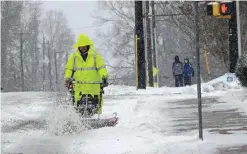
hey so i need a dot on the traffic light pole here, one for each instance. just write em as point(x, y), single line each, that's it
point(233, 40)
point(140, 53)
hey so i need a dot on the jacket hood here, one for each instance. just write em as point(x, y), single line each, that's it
point(83, 40)
point(188, 61)
point(176, 59)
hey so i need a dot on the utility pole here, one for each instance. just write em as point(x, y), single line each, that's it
point(149, 48)
point(196, 22)
point(233, 39)
point(56, 75)
point(140, 53)
point(43, 84)
point(155, 61)
point(49, 65)
point(21, 59)
point(21, 33)
point(239, 30)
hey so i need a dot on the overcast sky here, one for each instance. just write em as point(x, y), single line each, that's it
point(78, 14)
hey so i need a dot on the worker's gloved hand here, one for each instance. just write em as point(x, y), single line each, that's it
point(66, 82)
point(105, 82)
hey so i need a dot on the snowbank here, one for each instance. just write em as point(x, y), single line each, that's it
point(222, 83)
point(218, 84)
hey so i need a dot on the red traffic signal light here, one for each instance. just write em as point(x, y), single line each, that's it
point(226, 8)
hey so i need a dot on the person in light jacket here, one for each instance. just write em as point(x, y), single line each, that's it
point(86, 65)
point(177, 70)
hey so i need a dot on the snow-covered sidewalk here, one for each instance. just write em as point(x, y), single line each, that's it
point(224, 122)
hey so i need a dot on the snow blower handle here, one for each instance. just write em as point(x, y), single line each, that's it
point(101, 83)
point(83, 82)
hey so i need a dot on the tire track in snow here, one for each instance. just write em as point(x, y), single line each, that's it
point(24, 125)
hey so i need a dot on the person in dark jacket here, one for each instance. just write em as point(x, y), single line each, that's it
point(177, 69)
point(188, 72)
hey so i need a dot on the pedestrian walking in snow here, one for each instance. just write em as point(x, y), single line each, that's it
point(177, 69)
point(188, 72)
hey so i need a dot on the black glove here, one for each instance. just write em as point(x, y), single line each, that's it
point(105, 82)
point(66, 82)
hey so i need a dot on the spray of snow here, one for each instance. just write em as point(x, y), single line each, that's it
point(63, 120)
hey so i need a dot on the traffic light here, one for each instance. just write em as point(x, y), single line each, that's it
point(220, 9)
point(226, 8)
point(213, 9)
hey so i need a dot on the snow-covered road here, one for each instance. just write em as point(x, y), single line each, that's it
point(158, 121)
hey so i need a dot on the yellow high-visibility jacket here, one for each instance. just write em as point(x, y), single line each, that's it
point(91, 70)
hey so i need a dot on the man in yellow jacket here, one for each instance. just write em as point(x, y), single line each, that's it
point(86, 67)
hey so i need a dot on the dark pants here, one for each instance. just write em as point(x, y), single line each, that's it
point(179, 80)
point(187, 80)
point(92, 106)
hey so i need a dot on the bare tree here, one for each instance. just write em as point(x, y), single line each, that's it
point(32, 45)
point(10, 21)
point(22, 48)
point(119, 39)
point(175, 36)
point(213, 34)
point(243, 24)
point(56, 31)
